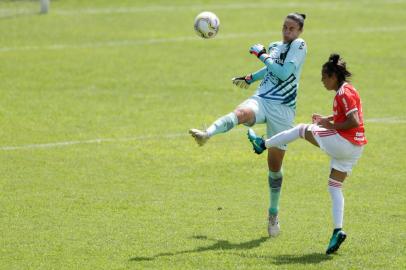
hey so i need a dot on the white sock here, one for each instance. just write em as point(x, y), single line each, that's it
point(223, 124)
point(286, 136)
point(337, 198)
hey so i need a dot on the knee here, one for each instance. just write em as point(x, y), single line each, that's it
point(245, 116)
point(302, 129)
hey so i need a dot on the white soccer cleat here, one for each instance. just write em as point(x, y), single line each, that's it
point(201, 137)
point(273, 225)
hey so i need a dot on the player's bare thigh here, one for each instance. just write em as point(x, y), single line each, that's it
point(334, 174)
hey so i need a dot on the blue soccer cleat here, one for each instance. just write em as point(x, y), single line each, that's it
point(336, 240)
point(257, 142)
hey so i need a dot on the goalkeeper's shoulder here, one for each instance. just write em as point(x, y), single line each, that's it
point(299, 43)
point(274, 44)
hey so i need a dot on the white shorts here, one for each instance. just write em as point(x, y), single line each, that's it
point(277, 117)
point(344, 155)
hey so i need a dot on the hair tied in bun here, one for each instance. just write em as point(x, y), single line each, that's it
point(334, 58)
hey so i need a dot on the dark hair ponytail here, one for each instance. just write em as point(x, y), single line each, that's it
point(336, 65)
point(297, 17)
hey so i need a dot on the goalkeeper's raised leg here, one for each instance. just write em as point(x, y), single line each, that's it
point(241, 115)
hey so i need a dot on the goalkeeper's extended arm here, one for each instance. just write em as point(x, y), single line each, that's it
point(244, 82)
point(282, 72)
point(258, 75)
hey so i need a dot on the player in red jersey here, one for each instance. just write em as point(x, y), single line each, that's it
point(340, 135)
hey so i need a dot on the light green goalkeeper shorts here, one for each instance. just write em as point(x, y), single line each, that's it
point(278, 117)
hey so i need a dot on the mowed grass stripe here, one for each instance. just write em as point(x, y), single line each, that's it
point(182, 7)
point(128, 43)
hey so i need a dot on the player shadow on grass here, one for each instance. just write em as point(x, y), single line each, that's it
point(218, 245)
point(312, 258)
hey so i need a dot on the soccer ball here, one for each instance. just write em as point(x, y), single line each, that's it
point(207, 24)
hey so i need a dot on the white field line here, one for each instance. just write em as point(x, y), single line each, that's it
point(93, 141)
point(213, 7)
point(192, 37)
point(387, 120)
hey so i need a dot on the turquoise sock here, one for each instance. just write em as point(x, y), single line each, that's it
point(275, 184)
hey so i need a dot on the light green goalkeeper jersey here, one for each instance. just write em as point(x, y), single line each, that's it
point(282, 73)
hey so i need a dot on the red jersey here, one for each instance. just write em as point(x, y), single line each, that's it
point(347, 101)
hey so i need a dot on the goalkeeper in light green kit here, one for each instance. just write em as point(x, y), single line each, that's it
point(273, 103)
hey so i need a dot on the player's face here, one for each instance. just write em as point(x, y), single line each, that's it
point(329, 82)
point(290, 30)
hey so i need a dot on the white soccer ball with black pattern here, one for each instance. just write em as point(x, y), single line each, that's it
point(207, 24)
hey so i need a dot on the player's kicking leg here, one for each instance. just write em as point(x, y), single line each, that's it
point(284, 137)
point(223, 124)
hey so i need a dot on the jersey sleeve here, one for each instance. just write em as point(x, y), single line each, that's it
point(297, 52)
point(347, 103)
point(259, 75)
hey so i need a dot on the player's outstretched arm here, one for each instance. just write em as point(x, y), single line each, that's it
point(245, 82)
point(259, 75)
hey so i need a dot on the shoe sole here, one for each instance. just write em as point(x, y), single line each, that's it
point(337, 246)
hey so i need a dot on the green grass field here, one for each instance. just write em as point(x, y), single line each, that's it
point(97, 170)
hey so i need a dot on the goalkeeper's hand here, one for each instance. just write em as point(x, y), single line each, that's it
point(243, 82)
point(259, 51)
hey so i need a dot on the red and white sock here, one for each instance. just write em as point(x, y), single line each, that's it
point(337, 198)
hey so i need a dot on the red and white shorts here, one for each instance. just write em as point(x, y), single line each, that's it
point(344, 155)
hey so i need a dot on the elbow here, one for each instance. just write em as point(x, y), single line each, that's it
point(353, 120)
point(355, 123)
